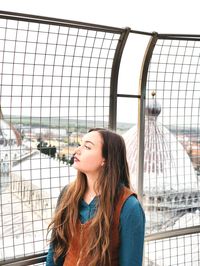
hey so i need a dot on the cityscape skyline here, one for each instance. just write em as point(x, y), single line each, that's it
point(54, 72)
point(44, 179)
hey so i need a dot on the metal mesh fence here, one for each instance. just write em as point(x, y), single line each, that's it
point(172, 151)
point(54, 85)
point(173, 251)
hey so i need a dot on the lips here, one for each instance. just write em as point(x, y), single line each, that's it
point(73, 159)
point(76, 159)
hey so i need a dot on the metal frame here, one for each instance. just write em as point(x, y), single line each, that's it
point(173, 233)
point(143, 80)
point(121, 34)
point(141, 120)
point(39, 258)
point(114, 79)
point(27, 260)
point(58, 22)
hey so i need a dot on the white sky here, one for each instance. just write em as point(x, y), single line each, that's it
point(172, 16)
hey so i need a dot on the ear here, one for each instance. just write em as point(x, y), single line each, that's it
point(103, 162)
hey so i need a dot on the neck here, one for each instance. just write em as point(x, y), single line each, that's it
point(91, 183)
point(90, 192)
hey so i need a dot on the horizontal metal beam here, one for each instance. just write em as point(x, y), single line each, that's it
point(128, 96)
point(38, 258)
point(173, 233)
point(25, 261)
point(58, 22)
point(181, 37)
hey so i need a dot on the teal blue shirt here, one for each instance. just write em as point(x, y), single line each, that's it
point(132, 227)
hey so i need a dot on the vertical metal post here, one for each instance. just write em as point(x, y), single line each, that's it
point(141, 114)
point(114, 78)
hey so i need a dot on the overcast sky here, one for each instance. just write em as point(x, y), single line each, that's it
point(172, 16)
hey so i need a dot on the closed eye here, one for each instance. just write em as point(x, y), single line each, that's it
point(87, 147)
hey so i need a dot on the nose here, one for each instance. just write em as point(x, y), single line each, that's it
point(78, 150)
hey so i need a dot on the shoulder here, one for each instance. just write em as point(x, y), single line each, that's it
point(132, 210)
point(131, 232)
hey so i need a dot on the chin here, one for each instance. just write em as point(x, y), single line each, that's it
point(74, 166)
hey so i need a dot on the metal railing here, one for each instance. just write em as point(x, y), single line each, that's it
point(58, 79)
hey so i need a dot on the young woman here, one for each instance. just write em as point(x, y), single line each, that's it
point(98, 220)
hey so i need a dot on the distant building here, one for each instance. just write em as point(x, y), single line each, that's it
point(167, 166)
point(39, 187)
point(30, 185)
point(75, 138)
point(8, 134)
point(170, 184)
point(10, 145)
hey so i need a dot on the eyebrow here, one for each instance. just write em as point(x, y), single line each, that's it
point(88, 141)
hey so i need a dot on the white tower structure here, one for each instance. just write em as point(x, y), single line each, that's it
point(170, 185)
point(167, 166)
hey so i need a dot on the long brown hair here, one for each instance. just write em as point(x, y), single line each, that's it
point(115, 173)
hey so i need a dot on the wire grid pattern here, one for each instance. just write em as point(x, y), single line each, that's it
point(55, 85)
point(172, 150)
point(173, 251)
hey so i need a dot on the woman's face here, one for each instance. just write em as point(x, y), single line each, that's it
point(88, 157)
